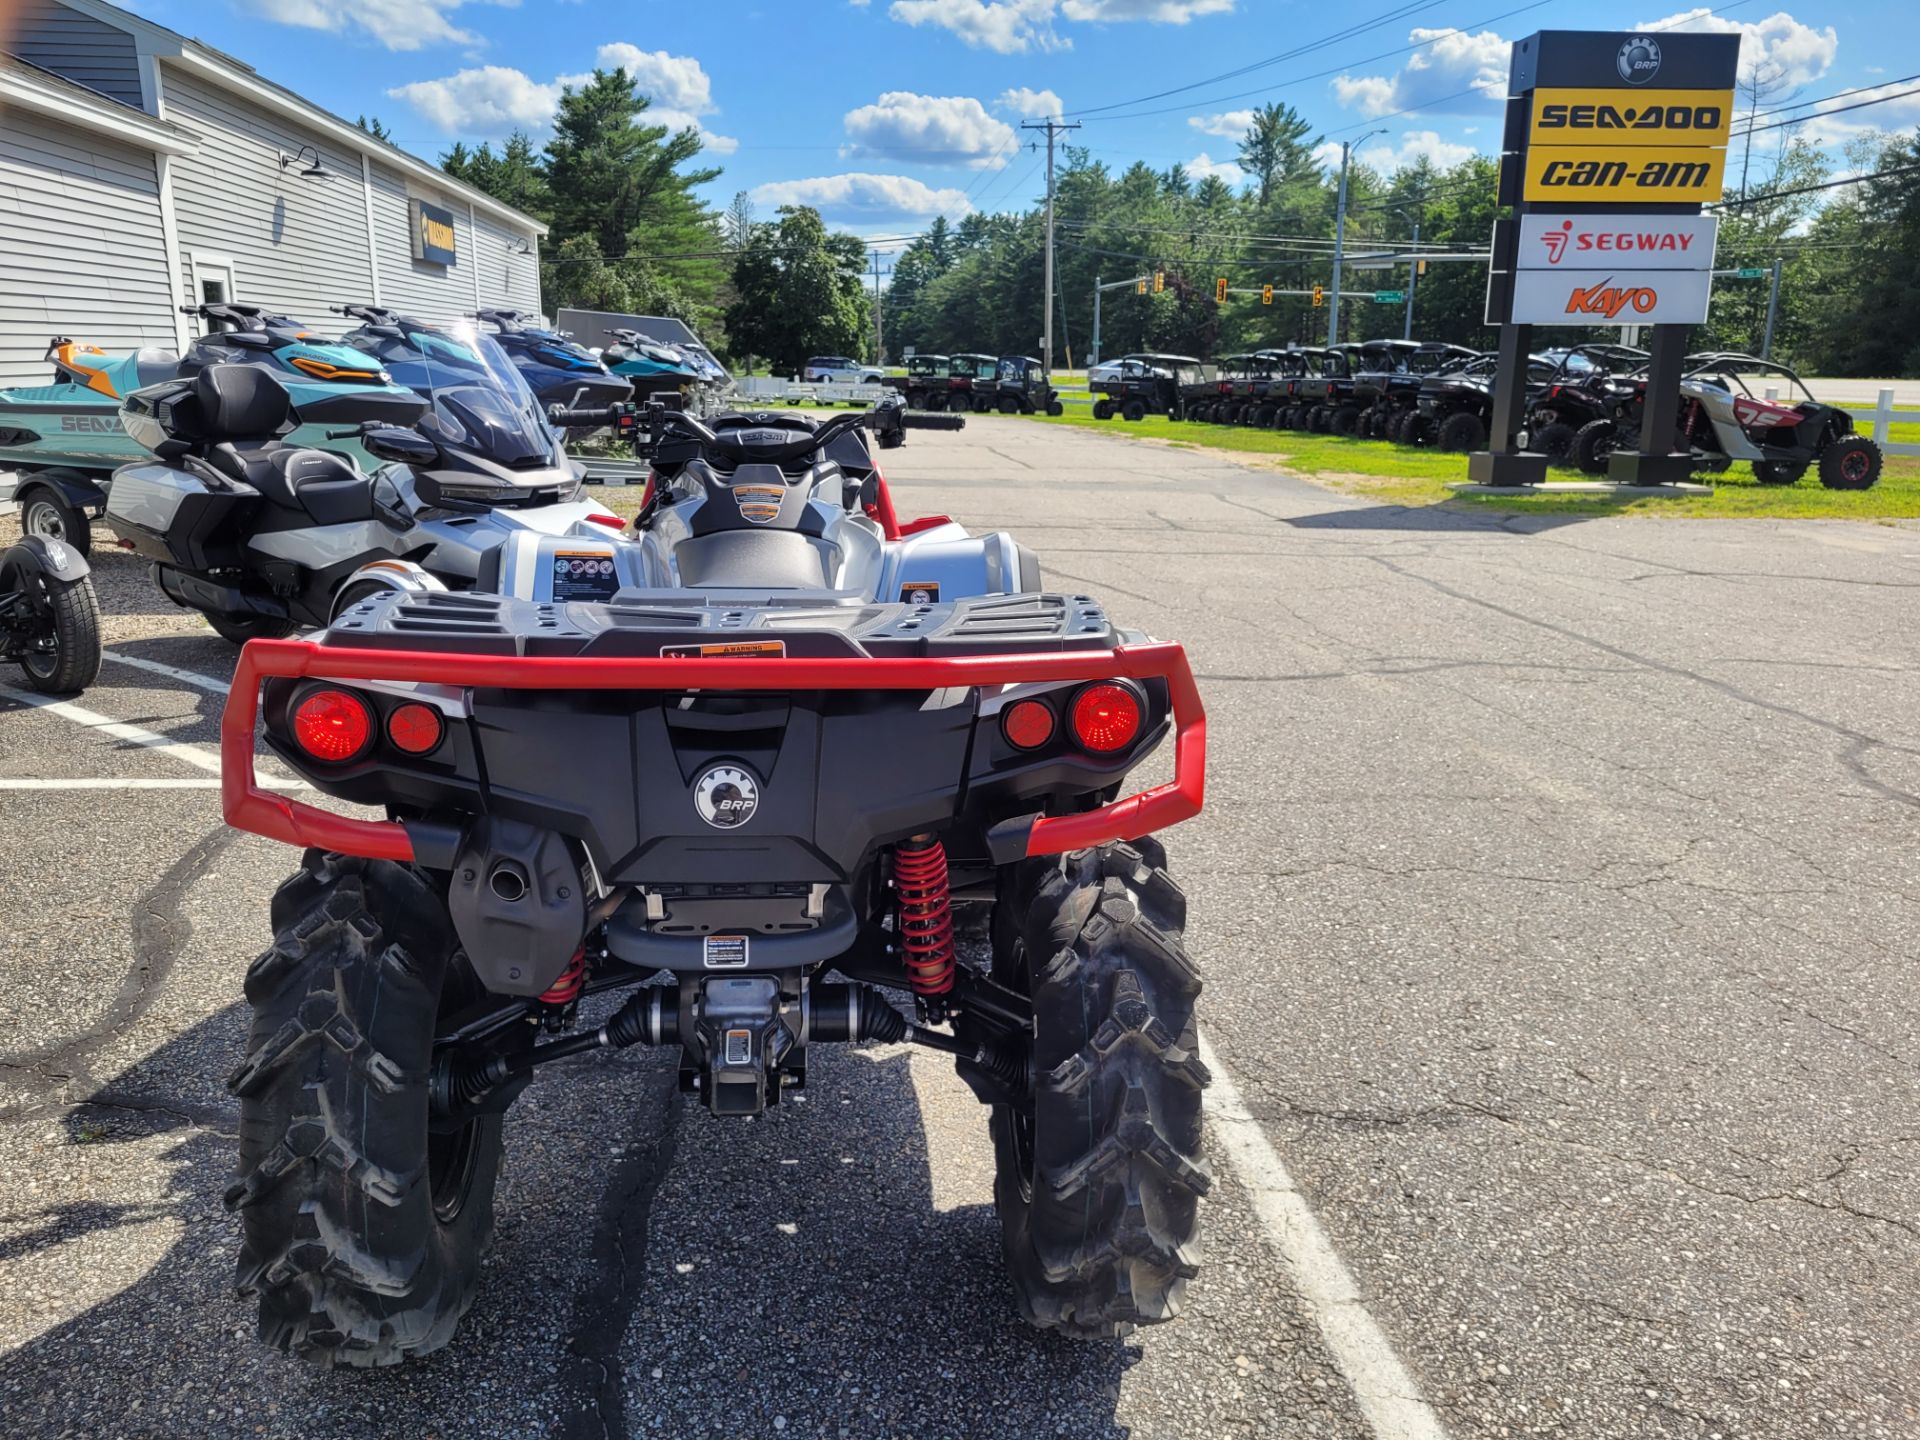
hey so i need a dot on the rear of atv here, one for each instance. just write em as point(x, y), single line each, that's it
point(702, 822)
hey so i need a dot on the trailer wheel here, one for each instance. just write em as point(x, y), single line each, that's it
point(1134, 410)
point(1462, 431)
point(47, 513)
point(1852, 463)
point(1779, 472)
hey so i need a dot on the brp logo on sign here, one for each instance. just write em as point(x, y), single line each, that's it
point(1638, 60)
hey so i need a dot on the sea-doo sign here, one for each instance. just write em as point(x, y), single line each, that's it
point(1691, 118)
point(434, 238)
point(1611, 297)
point(1620, 242)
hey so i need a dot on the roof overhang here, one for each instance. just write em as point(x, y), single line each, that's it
point(73, 105)
point(210, 65)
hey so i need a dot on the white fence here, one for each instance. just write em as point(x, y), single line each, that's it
point(1881, 416)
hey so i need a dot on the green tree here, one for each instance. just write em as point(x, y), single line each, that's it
point(798, 292)
point(574, 274)
point(371, 124)
point(1276, 149)
point(513, 176)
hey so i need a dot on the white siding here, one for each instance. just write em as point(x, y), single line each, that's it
point(434, 293)
point(297, 245)
point(80, 244)
point(85, 50)
point(507, 281)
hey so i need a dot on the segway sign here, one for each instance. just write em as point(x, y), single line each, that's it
point(1611, 297)
point(1620, 242)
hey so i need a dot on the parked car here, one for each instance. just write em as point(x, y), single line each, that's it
point(839, 370)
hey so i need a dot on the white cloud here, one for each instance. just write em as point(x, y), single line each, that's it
point(1203, 165)
point(396, 24)
point(1030, 104)
point(1881, 113)
point(1435, 77)
point(1780, 43)
point(1416, 145)
point(863, 196)
point(930, 130)
point(1165, 12)
point(491, 101)
point(1327, 155)
point(1233, 124)
point(1009, 27)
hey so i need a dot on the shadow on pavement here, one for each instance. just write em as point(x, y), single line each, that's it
point(655, 1271)
point(1443, 518)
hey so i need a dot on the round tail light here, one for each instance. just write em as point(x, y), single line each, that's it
point(414, 728)
point(1106, 717)
point(1027, 724)
point(332, 725)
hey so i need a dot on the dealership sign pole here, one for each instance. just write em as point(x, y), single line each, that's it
point(1613, 143)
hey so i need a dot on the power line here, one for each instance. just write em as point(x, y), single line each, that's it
point(1809, 189)
point(1822, 114)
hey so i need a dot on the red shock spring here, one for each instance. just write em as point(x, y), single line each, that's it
point(926, 914)
point(566, 988)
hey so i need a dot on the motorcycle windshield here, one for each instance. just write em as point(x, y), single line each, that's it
point(481, 402)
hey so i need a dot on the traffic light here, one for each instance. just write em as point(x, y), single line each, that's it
point(1319, 297)
point(1143, 287)
point(1423, 267)
point(1159, 281)
point(1266, 294)
point(1220, 291)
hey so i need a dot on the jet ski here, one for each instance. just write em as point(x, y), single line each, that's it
point(66, 439)
point(652, 367)
point(557, 370)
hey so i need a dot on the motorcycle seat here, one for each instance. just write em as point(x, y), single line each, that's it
point(327, 487)
point(155, 363)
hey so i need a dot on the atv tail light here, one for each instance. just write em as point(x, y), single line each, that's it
point(612, 522)
point(1027, 724)
point(1106, 717)
point(415, 728)
point(332, 725)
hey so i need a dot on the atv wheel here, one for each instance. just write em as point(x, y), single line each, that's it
point(1134, 410)
point(1461, 431)
point(1344, 421)
point(45, 512)
point(1098, 1188)
point(66, 625)
point(1103, 409)
point(1779, 472)
point(241, 628)
point(1851, 463)
point(1592, 446)
point(1056, 409)
point(1419, 430)
point(363, 1228)
point(982, 404)
point(1554, 440)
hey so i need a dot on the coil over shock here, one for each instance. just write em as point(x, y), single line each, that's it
point(926, 915)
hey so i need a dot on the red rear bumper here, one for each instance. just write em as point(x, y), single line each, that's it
point(249, 806)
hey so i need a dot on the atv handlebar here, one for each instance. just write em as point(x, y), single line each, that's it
point(250, 806)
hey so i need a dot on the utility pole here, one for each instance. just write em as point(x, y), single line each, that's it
point(1413, 278)
point(1773, 310)
point(879, 328)
point(1340, 236)
point(1053, 127)
point(1093, 350)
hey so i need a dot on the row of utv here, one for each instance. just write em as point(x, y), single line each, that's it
point(1010, 384)
point(1583, 403)
point(719, 781)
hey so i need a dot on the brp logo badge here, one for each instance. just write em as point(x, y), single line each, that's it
point(726, 796)
point(1638, 60)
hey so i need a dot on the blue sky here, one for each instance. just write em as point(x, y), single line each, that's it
point(883, 113)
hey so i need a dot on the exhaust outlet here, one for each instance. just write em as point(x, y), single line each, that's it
point(508, 882)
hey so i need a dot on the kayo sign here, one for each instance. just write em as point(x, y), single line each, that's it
point(1611, 297)
point(1620, 242)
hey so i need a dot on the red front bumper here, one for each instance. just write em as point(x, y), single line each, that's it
point(249, 806)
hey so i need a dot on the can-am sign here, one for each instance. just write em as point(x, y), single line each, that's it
point(1620, 242)
point(1620, 296)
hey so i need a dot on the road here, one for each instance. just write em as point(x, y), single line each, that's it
point(1557, 896)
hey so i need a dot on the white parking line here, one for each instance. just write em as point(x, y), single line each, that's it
point(1386, 1394)
point(187, 754)
point(131, 783)
point(172, 672)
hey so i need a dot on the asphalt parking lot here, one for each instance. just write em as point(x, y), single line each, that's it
point(1558, 898)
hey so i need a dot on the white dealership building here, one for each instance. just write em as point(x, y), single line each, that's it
point(141, 170)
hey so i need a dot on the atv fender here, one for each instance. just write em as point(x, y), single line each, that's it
point(52, 557)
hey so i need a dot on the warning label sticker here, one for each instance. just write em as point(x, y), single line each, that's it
point(726, 952)
point(731, 650)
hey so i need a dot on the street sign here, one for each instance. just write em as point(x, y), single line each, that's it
point(1749, 272)
point(1617, 241)
point(1266, 294)
point(1389, 297)
point(1605, 297)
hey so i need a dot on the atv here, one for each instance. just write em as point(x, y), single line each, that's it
point(1455, 407)
point(816, 730)
point(1396, 410)
point(1020, 388)
point(925, 383)
point(1574, 394)
point(49, 615)
point(1331, 405)
point(1147, 385)
point(970, 383)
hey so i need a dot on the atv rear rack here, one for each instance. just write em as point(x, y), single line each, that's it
point(249, 806)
